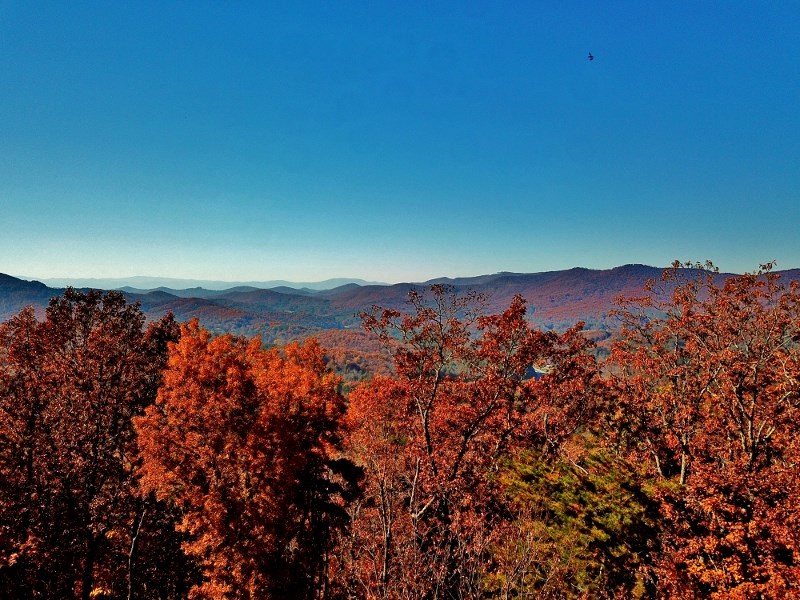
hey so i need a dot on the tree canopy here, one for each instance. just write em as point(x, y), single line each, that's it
point(493, 460)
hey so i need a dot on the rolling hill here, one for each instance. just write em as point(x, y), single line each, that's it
point(556, 299)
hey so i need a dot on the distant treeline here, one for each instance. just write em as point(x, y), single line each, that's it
point(161, 461)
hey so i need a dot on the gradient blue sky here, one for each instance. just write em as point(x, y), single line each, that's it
point(395, 140)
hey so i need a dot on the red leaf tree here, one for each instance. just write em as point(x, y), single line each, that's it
point(432, 437)
point(69, 387)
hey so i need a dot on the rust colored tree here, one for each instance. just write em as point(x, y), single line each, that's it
point(243, 442)
point(710, 401)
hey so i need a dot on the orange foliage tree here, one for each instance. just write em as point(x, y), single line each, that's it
point(244, 442)
point(709, 390)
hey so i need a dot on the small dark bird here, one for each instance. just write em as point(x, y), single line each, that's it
point(591, 56)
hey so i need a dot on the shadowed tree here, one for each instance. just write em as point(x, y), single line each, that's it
point(69, 387)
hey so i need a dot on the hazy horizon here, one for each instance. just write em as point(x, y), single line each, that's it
point(314, 140)
point(132, 279)
point(151, 282)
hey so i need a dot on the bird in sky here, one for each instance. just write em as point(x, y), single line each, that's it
point(591, 56)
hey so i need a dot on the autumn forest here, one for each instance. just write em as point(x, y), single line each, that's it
point(492, 459)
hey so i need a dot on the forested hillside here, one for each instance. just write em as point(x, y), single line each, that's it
point(141, 457)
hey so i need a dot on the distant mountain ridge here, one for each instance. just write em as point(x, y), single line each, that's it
point(556, 300)
point(147, 283)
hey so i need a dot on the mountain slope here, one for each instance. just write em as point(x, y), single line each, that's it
point(16, 294)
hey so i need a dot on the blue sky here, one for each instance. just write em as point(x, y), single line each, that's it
point(395, 140)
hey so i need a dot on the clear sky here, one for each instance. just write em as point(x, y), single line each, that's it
point(396, 140)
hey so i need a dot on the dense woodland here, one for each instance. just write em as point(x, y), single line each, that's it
point(493, 460)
